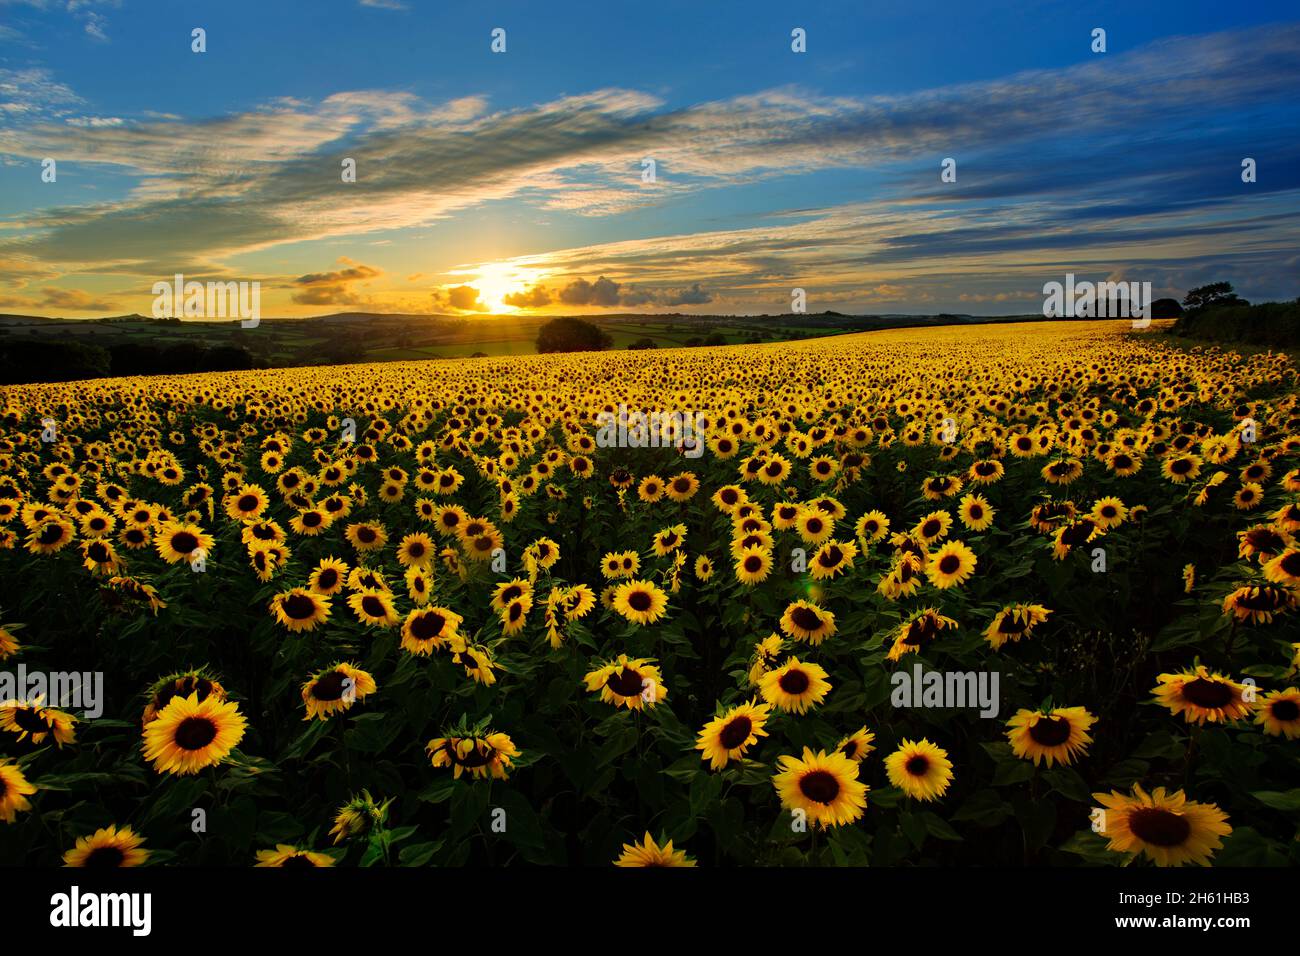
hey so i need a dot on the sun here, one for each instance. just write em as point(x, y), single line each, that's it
point(495, 281)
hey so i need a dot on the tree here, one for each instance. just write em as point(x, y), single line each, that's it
point(1166, 309)
point(642, 343)
point(1209, 296)
point(572, 335)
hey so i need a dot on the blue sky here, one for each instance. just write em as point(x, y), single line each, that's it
point(495, 182)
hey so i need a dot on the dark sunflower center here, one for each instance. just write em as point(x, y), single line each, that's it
point(794, 682)
point(427, 626)
point(299, 607)
point(819, 786)
point(297, 862)
point(832, 557)
point(1050, 731)
point(736, 732)
point(805, 618)
point(247, 502)
point(1290, 563)
point(949, 564)
point(328, 578)
point(640, 601)
point(105, 857)
point(195, 733)
point(625, 683)
point(372, 606)
point(1285, 710)
point(1159, 827)
point(1208, 693)
point(753, 564)
point(329, 687)
point(30, 720)
point(917, 766)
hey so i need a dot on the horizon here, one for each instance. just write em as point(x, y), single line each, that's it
point(514, 183)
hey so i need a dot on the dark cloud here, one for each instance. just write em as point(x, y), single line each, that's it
point(533, 298)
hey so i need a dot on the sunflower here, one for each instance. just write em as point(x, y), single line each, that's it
point(290, 857)
point(1167, 827)
point(1181, 468)
point(976, 513)
point(795, 686)
point(1259, 603)
point(703, 568)
point(359, 816)
point(823, 786)
point(31, 719)
point(335, 689)
point(9, 645)
point(483, 755)
point(1057, 736)
point(682, 487)
point(246, 504)
point(177, 542)
point(753, 566)
point(298, 609)
point(428, 629)
point(805, 621)
point(51, 535)
point(106, 848)
point(14, 791)
point(871, 527)
point(951, 565)
point(649, 853)
point(669, 540)
point(641, 602)
point(628, 682)
point(814, 526)
point(1248, 496)
point(373, 607)
point(651, 489)
point(727, 737)
point(189, 734)
point(918, 632)
point(329, 577)
point(1285, 568)
point(766, 654)
point(366, 536)
point(857, 745)
point(832, 558)
point(180, 685)
point(920, 769)
point(1278, 712)
point(1201, 696)
point(1014, 622)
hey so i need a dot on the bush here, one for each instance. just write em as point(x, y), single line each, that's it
point(40, 360)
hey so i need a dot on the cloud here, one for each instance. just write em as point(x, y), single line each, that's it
point(533, 298)
point(462, 298)
point(53, 297)
point(334, 288)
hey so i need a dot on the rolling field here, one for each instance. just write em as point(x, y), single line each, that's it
point(1010, 594)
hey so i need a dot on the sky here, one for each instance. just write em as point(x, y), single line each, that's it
point(520, 181)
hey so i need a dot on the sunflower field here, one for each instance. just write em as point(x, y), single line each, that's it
point(420, 614)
